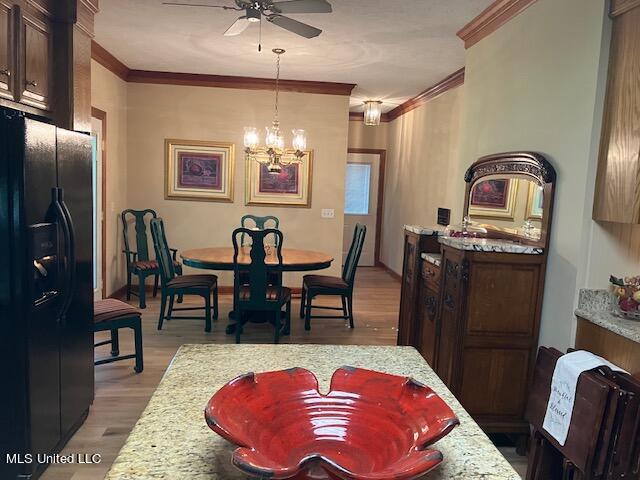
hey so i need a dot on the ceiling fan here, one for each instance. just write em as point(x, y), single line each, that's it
point(273, 12)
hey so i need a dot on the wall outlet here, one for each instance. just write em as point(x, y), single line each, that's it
point(328, 213)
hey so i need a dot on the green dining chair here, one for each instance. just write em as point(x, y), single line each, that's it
point(205, 286)
point(317, 285)
point(138, 261)
point(259, 296)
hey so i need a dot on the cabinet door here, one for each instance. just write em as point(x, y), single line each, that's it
point(408, 294)
point(7, 70)
point(37, 61)
point(428, 316)
point(449, 317)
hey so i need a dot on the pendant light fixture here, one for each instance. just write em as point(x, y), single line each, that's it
point(372, 112)
point(273, 153)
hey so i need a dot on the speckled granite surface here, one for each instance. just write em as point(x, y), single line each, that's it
point(434, 258)
point(417, 229)
point(489, 245)
point(171, 440)
point(595, 306)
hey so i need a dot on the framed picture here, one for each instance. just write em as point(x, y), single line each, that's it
point(535, 201)
point(289, 188)
point(197, 170)
point(493, 198)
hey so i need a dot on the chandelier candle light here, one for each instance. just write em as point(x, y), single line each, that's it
point(273, 153)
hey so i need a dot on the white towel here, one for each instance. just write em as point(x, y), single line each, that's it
point(563, 390)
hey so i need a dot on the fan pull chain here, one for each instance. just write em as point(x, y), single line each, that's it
point(260, 36)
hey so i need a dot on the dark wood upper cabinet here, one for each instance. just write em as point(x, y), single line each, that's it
point(37, 61)
point(7, 68)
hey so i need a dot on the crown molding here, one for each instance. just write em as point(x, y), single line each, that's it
point(454, 80)
point(618, 7)
point(491, 19)
point(107, 60)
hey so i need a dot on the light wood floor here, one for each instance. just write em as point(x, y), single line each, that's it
point(121, 395)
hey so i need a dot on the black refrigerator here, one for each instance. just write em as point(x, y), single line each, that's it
point(46, 289)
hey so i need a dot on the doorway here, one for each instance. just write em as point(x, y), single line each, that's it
point(98, 135)
point(364, 199)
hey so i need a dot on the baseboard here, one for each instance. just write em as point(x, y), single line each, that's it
point(222, 290)
point(390, 272)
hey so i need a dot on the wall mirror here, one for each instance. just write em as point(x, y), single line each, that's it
point(510, 196)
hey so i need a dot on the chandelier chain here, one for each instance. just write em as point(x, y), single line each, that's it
point(277, 84)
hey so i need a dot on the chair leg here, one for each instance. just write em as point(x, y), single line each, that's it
point(287, 326)
point(115, 343)
point(163, 305)
point(156, 277)
point(302, 301)
point(207, 313)
point(307, 315)
point(238, 325)
point(350, 305)
point(277, 324)
point(137, 335)
point(142, 291)
point(215, 303)
point(128, 285)
point(170, 313)
point(179, 272)
point(344, 307)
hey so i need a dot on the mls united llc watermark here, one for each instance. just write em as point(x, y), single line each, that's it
point(40, 458)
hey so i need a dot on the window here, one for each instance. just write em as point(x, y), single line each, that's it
point(356, 198)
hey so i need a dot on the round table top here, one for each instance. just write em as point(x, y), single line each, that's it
point(221, 258)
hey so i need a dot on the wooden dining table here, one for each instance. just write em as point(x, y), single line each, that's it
point(221, 258)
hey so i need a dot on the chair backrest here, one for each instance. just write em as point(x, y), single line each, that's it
point(257, 269)
point(142, 242)
point(259, 222)
point(163, 254)
point(353, 257)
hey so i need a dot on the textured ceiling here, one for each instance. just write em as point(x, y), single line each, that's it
point(393, 49)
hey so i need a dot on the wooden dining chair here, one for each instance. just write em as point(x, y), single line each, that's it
point(138, 261)
point(205, 286)
point(316, 285)
point(259, 296)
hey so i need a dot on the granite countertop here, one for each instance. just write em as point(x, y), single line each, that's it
point(490, 245)
point(417, 229)
point(171, 440)
point(595, 306)
point(434, 258)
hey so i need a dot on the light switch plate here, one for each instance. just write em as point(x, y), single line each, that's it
point(328, 213)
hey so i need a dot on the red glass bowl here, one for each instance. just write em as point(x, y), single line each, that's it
point(370, 426)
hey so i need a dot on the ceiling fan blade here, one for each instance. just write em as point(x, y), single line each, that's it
point(294, 26)
point(177, 4)
point(239, 26)
point(302, 6)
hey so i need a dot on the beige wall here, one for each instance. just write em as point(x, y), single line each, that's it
point(422, 169)
point(156, 112)
point(536, 84)
point(109, 93)
point(368, 136)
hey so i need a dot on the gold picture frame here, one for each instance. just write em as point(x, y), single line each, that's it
point(197, 170)
point(290, 188)
point(499, 203)
point(535, 202)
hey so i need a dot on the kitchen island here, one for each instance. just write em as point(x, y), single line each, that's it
point(171, 440)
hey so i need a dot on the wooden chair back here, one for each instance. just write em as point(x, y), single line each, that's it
point(257, 270)
point(161, 247)
point(259, 222)
point(353, 257)
point(142, 241)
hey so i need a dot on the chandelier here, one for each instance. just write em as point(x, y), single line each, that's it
point(273, 153)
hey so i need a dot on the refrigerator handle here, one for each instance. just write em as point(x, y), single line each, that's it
point(70, 247)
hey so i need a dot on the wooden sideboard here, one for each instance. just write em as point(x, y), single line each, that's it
point(45, 59)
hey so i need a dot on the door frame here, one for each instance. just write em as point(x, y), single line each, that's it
point(382, 155)
point(102, 116)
